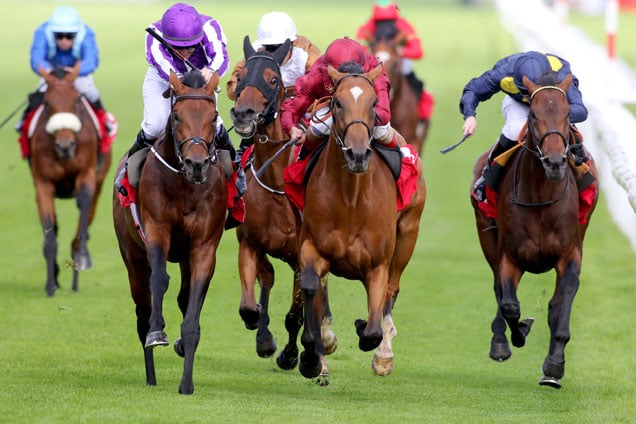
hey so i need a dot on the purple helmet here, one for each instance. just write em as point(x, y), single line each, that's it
point(181, 25)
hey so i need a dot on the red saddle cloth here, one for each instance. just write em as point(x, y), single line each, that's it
point(294, 176)
point(235, 205)
point(103, 120)
point(586, 198)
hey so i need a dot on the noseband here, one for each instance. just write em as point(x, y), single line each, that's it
point(341, 135)
point(209, 145)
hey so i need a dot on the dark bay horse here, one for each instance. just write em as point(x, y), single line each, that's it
point(182, 196)
point(271, 223)
point(537, 228)
point(351, 226)
point(64, 164)
point(404, 101)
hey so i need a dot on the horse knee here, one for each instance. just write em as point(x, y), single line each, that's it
point(309, 282)
point(510, 310)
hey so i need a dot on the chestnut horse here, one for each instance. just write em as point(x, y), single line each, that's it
point(537, 228)
point(271, 222)
point(182, 196)
point(351, 226)
point(404, 100)
point(65, 163)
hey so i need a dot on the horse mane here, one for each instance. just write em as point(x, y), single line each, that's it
point(351, 68)
point(385, 30)
point(59, 72)
point(193, 79)
point(548, 78)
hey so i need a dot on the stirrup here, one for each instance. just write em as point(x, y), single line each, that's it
point(479, 189)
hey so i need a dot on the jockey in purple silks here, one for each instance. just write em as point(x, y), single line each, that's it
point(200, 40)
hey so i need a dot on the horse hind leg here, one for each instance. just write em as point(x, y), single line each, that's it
point(50, 255)
point(81, 258)
point(287, 359)
point(329, 338)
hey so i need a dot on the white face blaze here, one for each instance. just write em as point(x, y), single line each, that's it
point(356, 92)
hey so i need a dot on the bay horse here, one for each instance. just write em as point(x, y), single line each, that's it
point(538, 226)
point(351, 226)
point(182, 196)
point(65, 164)
point(404, 100)
point(271, 222)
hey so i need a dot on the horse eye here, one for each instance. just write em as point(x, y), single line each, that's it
point(337, 103)
point(274, 81)
point(175, 117)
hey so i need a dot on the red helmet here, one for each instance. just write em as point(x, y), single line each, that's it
point(383, 11)
point(344, 50)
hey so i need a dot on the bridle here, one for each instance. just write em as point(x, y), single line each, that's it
point(340, 134)
point(178, 144)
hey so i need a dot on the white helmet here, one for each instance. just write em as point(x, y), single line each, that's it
point(274, 28)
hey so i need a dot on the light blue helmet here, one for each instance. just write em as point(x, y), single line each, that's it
point(65, 19)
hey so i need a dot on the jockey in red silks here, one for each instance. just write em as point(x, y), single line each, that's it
point(316, 84)
point(61, 41)
point(388, 15)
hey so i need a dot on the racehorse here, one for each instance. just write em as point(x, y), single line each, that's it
point(64, 164)
point(404, 100)
point(351, 226)
point(271, 223)
point(538, 226)
point(182, 196)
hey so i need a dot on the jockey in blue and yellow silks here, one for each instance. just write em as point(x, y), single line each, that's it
point(505, 76)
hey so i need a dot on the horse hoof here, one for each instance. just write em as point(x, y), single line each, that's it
point(331, 344)
point(266, 348)
point(309, 369)
point(156, 338)
point(82, 262)
point(178, 347)
point(322, 380)
point(550, 381)
point(519, 338)
point(288, 358)
point(382, 366)
point(250, 318)
point(500, 351)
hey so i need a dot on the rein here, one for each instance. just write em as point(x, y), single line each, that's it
point(515, 197)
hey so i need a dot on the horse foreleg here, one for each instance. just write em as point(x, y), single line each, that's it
point(45, 197)
point(159, 280)
point(288, 357)
point(265, 343)
point(559, 311)
point(506, 293)
point(499, 347)
point(382, 363)
point(247, 265)
point(370, 331)
point(79, 247)
point(313, 266)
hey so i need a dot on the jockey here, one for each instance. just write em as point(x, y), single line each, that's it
point(316, 84)
point(387, 15)
point(506, 75)
point(61, 42)
point(273, 29)
point(197, 38)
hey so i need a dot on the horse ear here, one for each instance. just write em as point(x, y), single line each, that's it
point(212, 83)
point(281, 52)
point(175, 82)
point(248, 50)
point(333, 73)
point(375, 72)
point(527, 82)
point(565, 84)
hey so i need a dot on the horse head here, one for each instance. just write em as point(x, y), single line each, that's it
point(259, 89)
point(549, 122)
point(61, 101)
point(192, 123)
point(353, 111)
point(387, 49)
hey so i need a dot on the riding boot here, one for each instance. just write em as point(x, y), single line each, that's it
point(141, 142)
point(501, 145)
point(312, 141)
point(35, 99)
point(416, 84)
point(110, 122)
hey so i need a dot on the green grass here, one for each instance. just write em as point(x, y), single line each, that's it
point(76, 357)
